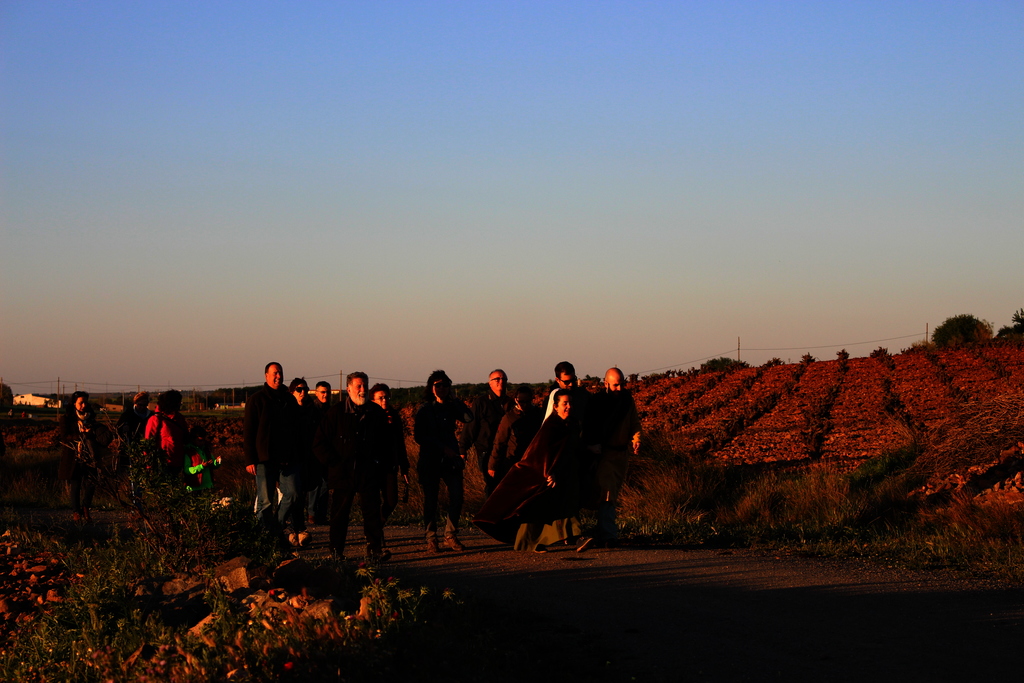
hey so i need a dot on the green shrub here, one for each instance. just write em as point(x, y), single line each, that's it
point(961, 329)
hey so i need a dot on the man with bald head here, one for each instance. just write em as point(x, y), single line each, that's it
point(612, 433)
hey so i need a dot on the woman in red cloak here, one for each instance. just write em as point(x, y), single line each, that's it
point(536, 503)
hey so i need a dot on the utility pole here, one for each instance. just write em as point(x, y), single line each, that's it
point(926, 333)
point(341, 382)
point(737, 349)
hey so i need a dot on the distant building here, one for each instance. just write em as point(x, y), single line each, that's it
point(36, 401)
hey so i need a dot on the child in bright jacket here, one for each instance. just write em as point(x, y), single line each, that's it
point(199, 461)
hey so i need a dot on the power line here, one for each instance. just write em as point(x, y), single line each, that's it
point(832, 346)
point(686, 362)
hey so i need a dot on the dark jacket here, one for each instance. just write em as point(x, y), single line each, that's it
point(434, 431)
point(268, 430)
point(612, 423)
point(316, 471)
point(78, 443)
point(346, 441)
point(393, 455)
point(515, 433)
point(488, 411)
point(131, 426)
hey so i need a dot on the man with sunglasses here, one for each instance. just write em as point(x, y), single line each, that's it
point(488, 410)
point(565, 378)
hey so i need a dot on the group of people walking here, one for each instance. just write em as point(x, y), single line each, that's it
point(300, 448)
point(539, 466)
point(311, 460)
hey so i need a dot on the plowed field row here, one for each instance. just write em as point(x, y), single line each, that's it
point(874, 402)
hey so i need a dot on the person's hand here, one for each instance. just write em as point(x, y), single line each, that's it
point(636, 447)
point(551, 481)
point(491, 473)
point(251, 469)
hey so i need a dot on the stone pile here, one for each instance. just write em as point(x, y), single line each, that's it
point(29, 581)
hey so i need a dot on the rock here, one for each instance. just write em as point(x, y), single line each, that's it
point(181, 584)
point(293, 575)
point(197, 630)
point(240, 573)
point(322, 609)
point(325, 581)
point(364, 609)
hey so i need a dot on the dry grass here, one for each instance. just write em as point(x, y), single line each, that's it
point(975, 434)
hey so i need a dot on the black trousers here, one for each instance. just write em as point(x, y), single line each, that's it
point(369, 505)
point(430, 481)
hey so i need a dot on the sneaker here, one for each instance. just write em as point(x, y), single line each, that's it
point(585, 544)
point(293, 539)
point(432, 546)
point(454, 543)
point(304, 538)
point(540, 549)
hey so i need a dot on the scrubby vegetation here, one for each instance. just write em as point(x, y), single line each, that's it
point(953, 501)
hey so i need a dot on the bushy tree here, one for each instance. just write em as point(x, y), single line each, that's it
point(1017, 328)
point(961, 329)
point(723, 363)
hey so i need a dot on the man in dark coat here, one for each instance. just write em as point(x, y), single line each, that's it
point(317, 492)
point(488, 410)
point(131, 426)
point(345, 443)
point(392, 460)
point(515, 432)
point(440, 460)
point(612, 434)
point(268, 439)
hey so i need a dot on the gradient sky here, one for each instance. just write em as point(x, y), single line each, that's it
point(191, 189)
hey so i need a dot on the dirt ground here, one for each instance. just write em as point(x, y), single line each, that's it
point(673, 614)
point(670, 614)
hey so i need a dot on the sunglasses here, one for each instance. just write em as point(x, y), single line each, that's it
point(301, 389)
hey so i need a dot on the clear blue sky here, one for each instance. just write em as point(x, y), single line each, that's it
point(189, 190)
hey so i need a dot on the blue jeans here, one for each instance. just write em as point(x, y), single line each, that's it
point(317, 498)
point(606, 527)
point(289, 508)
point(266, 485)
